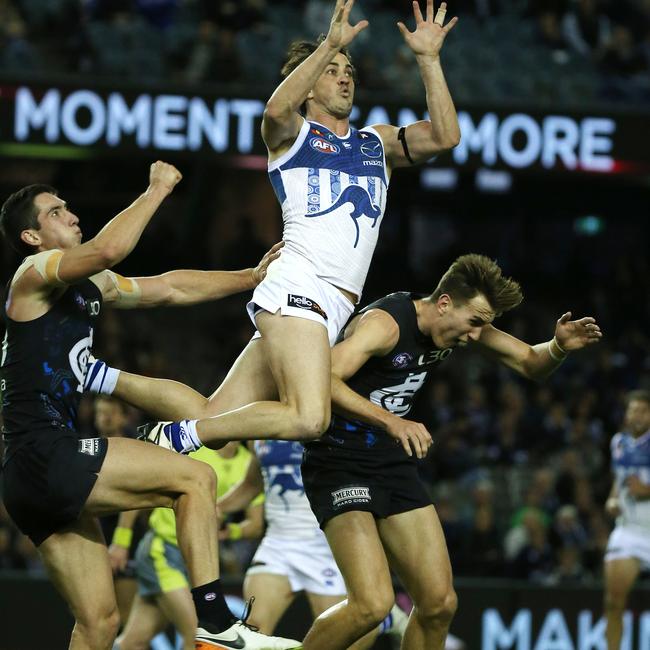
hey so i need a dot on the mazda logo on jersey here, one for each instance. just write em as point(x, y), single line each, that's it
point(319, 144)
point(371, 149)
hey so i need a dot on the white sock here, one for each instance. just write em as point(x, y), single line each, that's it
point(100, 378)
point(192, 434)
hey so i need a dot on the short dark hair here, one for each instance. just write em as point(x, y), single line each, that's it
point(19, 213)
point(639, 395)
point(472, 274)
point(299, 51)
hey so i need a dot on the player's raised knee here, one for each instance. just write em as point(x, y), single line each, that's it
point(311, 423)
point(204, 478)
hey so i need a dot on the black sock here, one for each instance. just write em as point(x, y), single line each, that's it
point(211, 606)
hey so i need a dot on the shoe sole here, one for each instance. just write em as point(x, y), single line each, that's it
point(206, 645)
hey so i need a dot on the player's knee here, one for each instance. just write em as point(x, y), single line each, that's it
point(371, 610)
point(614, 602)
point(313, 423)
point(99, 628)
point(204, 479)
point(439, 609)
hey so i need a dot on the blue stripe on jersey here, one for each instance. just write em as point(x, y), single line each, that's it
point(335, 184)
point(278, 185)
point(313, 190)
point(372, 190)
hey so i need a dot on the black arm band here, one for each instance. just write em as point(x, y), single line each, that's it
point(401, 136)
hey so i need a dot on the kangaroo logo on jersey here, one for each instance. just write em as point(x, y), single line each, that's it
point(287, 482)
point(371, 149)
point(322, 145)
point(362, 206)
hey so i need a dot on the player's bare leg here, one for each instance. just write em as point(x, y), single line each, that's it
point(273, 596)
point(357, 549)
point(320, 603)
point(135, 476)
point(144, 623)
point(249, 380)
point(620, 576)
point(417, 552)
point(77, 563)
point(298, 354)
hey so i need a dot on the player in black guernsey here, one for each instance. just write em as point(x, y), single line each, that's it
point(56, 484)
point(361, 477)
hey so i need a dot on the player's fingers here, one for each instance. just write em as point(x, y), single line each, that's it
point(406, 444)
point(450, 25)
point(402, 28)
point(425, 433)
point(338, 11)
point(418, 14)
point(440, 14)
point(565, 317)
point(347, 9)
point(419, 452)
point(360, 26)
point(429, 10)
point(277, 247)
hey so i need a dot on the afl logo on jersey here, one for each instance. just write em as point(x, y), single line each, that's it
point(371, 149)
point(402, 359)
point(319, 144)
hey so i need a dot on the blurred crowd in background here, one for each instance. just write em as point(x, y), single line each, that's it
point(541, 51)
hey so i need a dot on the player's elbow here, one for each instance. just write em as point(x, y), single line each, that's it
point(450, 140)
point(277, 112)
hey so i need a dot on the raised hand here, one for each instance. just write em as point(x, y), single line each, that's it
point(576, 334)
point(341, 32)
point(164, 174)
point(430, 33)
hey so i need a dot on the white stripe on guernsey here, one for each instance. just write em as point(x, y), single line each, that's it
point(300, 139)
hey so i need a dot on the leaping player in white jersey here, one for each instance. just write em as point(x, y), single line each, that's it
point(331, 181)
point(628, 549)
point(294, 555)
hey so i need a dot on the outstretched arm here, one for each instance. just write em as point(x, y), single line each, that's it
point(539, 361)
point(374, 333)
point(184, 287)
point(110, 246)
point(426, 138)
point(282, 121)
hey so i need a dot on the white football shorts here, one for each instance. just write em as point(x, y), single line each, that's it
point(292, 287)
point(307, 563)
